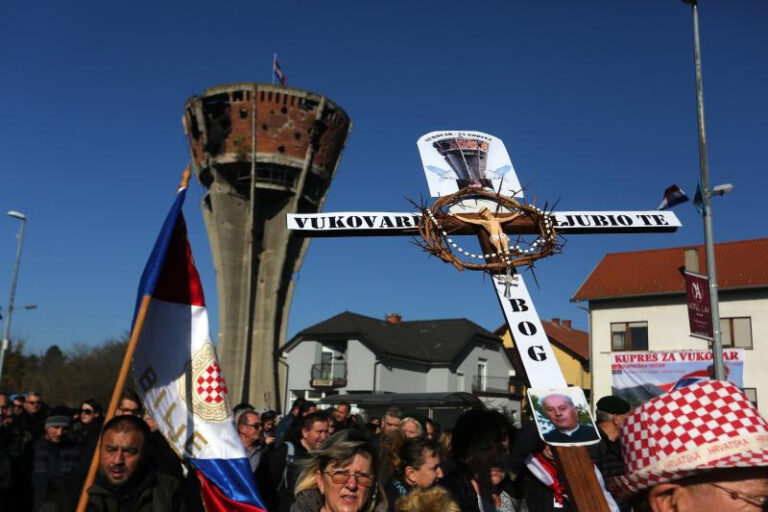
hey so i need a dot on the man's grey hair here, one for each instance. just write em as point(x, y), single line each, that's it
point(393, 412)
point(601, 416)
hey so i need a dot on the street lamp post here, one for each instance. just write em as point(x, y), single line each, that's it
point(7, 325)
point(706, 195)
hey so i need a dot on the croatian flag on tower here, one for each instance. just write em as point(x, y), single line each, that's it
point(278, 70)
point(178, 373)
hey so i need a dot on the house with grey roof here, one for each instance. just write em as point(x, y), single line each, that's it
point(355, 354)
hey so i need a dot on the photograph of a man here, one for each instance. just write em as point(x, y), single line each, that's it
point(561, 410)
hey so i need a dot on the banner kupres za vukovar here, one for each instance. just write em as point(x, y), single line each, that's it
point(640, 376)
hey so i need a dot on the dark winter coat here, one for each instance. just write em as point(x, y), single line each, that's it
point(309, 500)
point(156, 492)
point(607, 456)
point(278, 495)
point(52, 464)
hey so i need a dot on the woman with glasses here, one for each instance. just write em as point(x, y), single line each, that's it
point(87, 426)
point(88, 420)
point(339, 477)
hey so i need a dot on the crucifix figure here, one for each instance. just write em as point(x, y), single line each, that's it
point(438, 224)
point(493, 226)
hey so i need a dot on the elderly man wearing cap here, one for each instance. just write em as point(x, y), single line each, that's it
point(611, 411)
point(702, 447)
point(55, 457)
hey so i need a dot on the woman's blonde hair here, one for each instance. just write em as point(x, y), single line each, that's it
point(339, 450)
point(434, 499)
point(414, 421)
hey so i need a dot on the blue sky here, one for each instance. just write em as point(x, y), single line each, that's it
point(594, 101)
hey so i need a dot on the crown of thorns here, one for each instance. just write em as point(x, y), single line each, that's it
point(436, 240)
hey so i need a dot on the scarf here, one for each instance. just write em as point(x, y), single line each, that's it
point(545, 472)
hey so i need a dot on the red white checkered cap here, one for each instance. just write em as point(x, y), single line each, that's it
point(703, 426)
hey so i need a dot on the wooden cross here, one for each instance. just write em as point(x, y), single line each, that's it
point(466, 153)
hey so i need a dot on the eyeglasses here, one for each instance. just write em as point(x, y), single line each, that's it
point(254, 425)
point(341, 477)
point(758, 501)
point(86, 411)
point(34, 402)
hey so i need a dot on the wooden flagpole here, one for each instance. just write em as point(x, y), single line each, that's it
point(121, 378)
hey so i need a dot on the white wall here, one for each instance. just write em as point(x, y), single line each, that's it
point(440, 380)
point(667, 319)
point(360, 361)
point(300, 360)
point(497, 364)
point(403, 378)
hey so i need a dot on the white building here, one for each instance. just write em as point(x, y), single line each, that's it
point(354, 354)
point(637, 302)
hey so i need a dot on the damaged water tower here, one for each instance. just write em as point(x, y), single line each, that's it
point(261, 151)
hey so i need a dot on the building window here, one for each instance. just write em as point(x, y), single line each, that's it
point(629, 336)
point(460, 378)
point(736, 332)
point(482, 374)
point(327, 357)
point(751, 394)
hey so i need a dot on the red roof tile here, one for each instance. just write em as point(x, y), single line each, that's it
point(741, 264)
point(561, 333)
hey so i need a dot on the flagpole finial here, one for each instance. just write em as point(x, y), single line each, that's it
point(185, 177)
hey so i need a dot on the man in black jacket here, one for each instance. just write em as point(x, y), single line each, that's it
point(54, 456)
point(611, 411)
point(125, 480)
point(277, 473)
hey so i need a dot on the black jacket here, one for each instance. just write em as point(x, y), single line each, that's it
point(607, 456)
point(278, 495)
point(52, 464)
point(152, 492)
point(582, 434)
point(156, 492)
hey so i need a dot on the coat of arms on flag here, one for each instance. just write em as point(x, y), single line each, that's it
point(208, 396)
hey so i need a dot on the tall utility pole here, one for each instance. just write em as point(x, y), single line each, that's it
point(706, 195)
point(7, 325)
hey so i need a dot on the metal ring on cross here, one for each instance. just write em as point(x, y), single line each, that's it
point(438, 240)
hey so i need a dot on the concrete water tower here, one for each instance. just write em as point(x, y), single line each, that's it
point(261, 151)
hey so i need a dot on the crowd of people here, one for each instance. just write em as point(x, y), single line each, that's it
point(704, 447)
